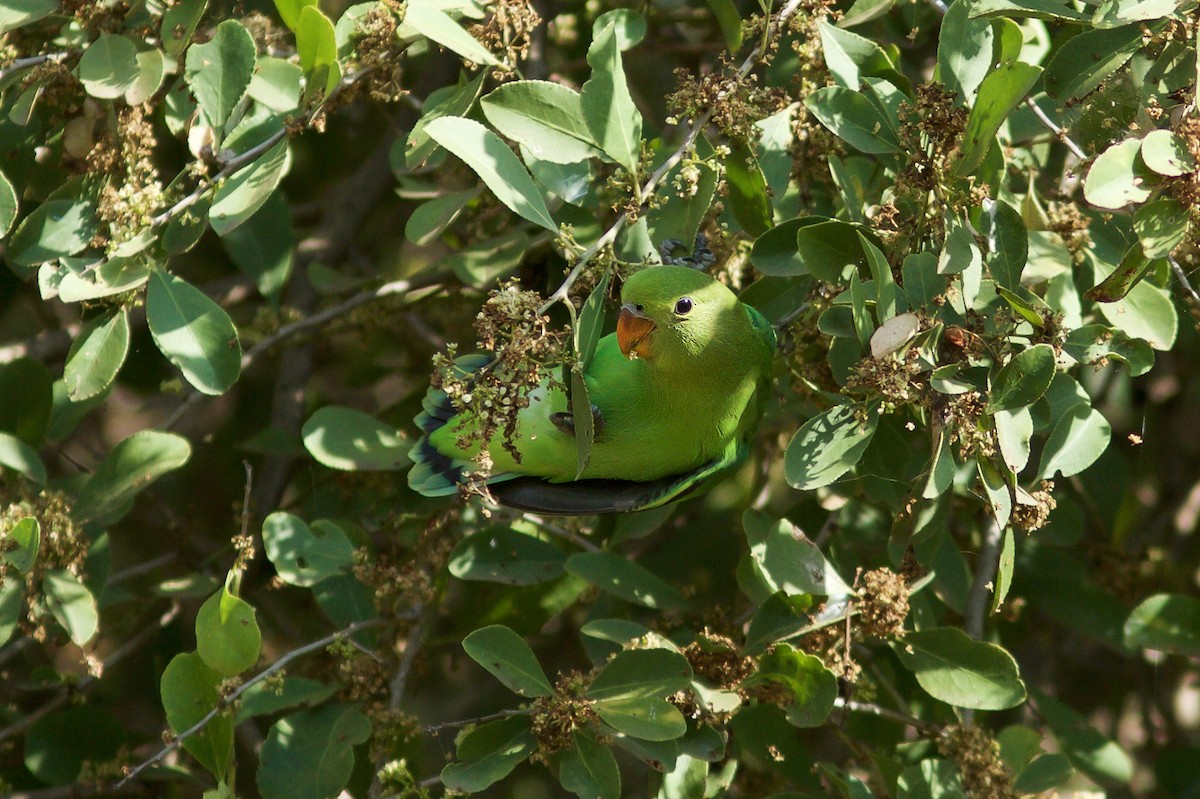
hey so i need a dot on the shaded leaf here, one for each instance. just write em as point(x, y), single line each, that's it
point(1166, 622)
point(227, 634)
point(509, 659)
point(350, 440)
point(960, 671)
point(219, 71)
point(194, 333)
point(828, 445)
point(625, 579)
point(310, 754)
point(305, 556)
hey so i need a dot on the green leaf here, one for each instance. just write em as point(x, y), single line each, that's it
point(1085, 61)
point(194, 333)
point(179, 24)
point(960, 671)
point(1014, 429)
point(16, 13)
point(150, 70)
point(350, 440)
point(851, 57)
point(454, 101)
point(189, 692)
point(109, 66)
point(964, 53)
point(430, 219)
point(265, 699)
point(1037, 9)
point(1023, 380)
point(778, 617)
point(1077, 440)
point(747, 195)
point(1119, 12)
point(72, 604)
point(1007, 242)
point(1165, 152)
point(1123, 279)
point(304, 556)
point(589, 770)
point(1166, 622)
point(1045, 773)
point(828, 446)
point(1118, 177)
point(28, 396)
point(922, 282)
point(227, 634)
point(488, 753)
point(547, 118)
point(310, 754)
point(495, 164)
point(509, 659)
point(97, 356)
point(316, 44)
point(132, 466)
point(999, 94)
point(625, 579)
point(435, 24)
point(1092, 753)
point(829, 250)
point(1161, 226)
point(8, 205)
point(1146, 312)
point(613, 120)
point(729, 19)
point(774, 252)
point(501, 555)
point(262, 246)
point(61, 226)
point(788, 560)
point(12, 604)
point(20, 457)
point(853, 118)
point(813, 687)
point(628, 25)
point(239, 197)
point(219, 71)
point(289, 11)
point(641, 674)
point(942, 467)
point(58, 745)
point(647, 719)
point(26, 538)
point(1092, 344)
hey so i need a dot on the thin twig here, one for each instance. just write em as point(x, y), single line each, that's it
point(139, 569)
point(884, 713)
point(115, 657)
point(1060, 133)
point(647, 189)
point(453, 725)
point(32, 61)
point(1188, 290)
point(225, 702)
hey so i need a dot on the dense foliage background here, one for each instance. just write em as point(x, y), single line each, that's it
point(962, 560)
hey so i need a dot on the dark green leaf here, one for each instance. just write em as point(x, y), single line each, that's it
point(509, 659)
point(501, 555)
point(72, 605)
point(240, 197)
point(829, 250)
point(28, 401)
point(788, 561)
point(304, 556)
point(310, 754)
point(59, 227)
point(853, 118)
point(189, 692)
point(26, 538)
point(266, 699)
point(1024, 379)
point(97, 356)
point(828, 446)
point(1161, 226)
point(589, 770)
point(779, 617)
point(263, 246)
point(19, 456)
point(1007, 242)
point(1037, 9)
point(641, 674)
point(133, 465)
point(194, 333)
point(1044, 774)
point(1095, 755)
point(58, 745)
point(495, 164)
point(227, 634)
point(1087, 60)
point(1092, 344)
point(748, 191)
point(999, 94)
point(109, 66)
point(488, 753)
point(1166, 622)
point(649, 719)
point(625, 579)
point(960, 671)
point(179, 23)
point(612, 118)
point(813, 687)
point(219, 70)
point(350, 440)
point(964, 53)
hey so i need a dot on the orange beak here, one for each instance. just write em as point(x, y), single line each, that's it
point(633, 326)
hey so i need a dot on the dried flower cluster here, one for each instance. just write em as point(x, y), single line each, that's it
point(512, 328)
point(977, 756)
point(734, 103)
point(557, 717)
point(883, 603)
point(507, 32)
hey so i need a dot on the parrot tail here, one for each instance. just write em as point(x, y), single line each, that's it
point(435, 474)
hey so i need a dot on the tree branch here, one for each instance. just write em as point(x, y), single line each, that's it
point(275, 667)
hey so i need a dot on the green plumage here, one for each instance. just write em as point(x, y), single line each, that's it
point(676, 416)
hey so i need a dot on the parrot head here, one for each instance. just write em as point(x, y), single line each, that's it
point(670, 314)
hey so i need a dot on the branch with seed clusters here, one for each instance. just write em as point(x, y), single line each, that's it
point(275, 667)
point(647, 189)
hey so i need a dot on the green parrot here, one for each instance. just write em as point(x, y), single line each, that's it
point(676, 395)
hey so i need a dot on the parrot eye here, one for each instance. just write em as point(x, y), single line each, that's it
point(683, 306)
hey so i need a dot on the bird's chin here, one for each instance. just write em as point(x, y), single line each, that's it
point(633, 333)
